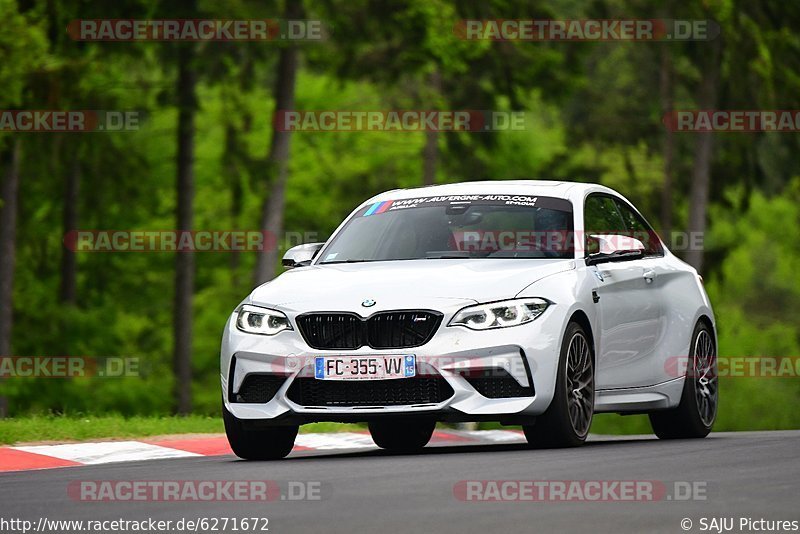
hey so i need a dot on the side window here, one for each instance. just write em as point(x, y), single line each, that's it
point(638, 228)
point(600, 216)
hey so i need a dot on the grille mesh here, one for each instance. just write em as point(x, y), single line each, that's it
point(332, 330)
point(400, 329)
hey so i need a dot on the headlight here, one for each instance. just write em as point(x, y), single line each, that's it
point(500, 314)
point(255, 320)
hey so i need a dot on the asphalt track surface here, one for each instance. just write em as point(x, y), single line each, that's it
point(752, 475)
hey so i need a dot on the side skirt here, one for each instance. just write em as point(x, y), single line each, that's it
point(641, 399)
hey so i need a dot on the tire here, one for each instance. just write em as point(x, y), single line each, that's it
point(399, 435)
point(693, 418)
point(258, 443)
point(566, 421)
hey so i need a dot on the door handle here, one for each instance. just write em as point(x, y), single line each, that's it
point(649, 275)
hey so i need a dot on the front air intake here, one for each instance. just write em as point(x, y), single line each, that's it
point(311, 392)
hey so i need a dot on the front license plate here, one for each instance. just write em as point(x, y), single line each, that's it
point(364, 367)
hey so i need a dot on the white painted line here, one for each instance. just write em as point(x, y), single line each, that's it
point(339, 440)
point(129, 451)
point(107, 452)
point(495, 436)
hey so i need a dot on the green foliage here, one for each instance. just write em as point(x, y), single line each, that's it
point(593, 113)
point(23, 39)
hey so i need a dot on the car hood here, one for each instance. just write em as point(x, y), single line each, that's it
point(403, 284)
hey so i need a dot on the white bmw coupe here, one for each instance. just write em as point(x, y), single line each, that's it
point(530, 303)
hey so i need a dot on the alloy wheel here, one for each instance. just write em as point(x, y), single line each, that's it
point(580, 384)
point(705, 377)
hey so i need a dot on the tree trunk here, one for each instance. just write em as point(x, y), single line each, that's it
point(9, 196)
point(184, 261)
point(430, 157)
point(666, 90)
point(701, 169)
point(230, 164)
point(630, 169)
point(430, 153)
point(278, 159)
point(69, 270)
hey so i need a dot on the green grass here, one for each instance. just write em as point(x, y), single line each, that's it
point(745, 404)
point(81, 428)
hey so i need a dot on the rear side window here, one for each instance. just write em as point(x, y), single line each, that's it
point(601, 216)
point(604, 214)
point(638, 228)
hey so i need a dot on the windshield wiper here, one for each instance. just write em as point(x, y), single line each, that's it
point(449, 256)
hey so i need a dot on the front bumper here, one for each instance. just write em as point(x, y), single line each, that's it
point(528, 353)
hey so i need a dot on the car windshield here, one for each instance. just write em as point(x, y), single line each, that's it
point(474, 226)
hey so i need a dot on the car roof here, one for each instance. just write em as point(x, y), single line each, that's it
point(551, 188)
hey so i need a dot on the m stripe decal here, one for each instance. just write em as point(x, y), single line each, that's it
point(378, 207)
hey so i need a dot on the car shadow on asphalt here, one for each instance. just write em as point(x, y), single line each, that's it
point(482, 448)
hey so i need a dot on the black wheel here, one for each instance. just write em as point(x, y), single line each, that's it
point(401, 435)
point(253, 442)
point(568, 418)
point(695, 415)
